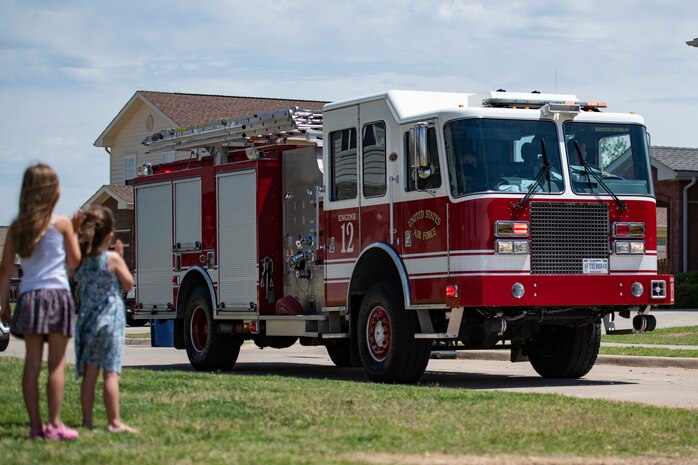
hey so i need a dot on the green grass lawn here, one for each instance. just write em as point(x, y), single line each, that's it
point(193, 418)
point(684, 335)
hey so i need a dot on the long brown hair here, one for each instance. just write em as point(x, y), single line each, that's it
point(37, 199)
point(98, 223)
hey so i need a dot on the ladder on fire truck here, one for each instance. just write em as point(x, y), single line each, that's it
point(284, 125)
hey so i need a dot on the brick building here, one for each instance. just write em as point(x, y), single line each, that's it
point(675, 173)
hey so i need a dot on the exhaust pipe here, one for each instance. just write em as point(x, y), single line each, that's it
point(644, 323)
point(496, 326)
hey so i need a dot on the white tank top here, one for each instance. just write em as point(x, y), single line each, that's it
point(46, 268)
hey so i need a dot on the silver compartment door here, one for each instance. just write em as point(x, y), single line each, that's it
point(154, 246)
point(237, 240)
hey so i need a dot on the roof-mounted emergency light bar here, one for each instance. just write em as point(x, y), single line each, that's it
point(553, 103)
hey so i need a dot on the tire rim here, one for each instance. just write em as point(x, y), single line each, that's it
point(378, 334)
point(199, 329)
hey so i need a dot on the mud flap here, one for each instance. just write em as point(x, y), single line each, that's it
point(518, 355)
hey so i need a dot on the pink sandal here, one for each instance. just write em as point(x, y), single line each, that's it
point(60, 433)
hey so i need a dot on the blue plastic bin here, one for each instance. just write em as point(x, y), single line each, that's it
point(162, 333)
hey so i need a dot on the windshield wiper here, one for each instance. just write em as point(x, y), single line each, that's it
point(543, 172)
point(588, 170)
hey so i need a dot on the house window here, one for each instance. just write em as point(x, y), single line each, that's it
point(168, 157)
point(129, 167)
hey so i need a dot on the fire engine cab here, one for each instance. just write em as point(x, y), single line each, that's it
point(387, 226)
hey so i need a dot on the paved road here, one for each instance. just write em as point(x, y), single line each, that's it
point(675, 387)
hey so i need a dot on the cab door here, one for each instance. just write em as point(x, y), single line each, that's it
point(342, 201)
point(423, 225)
point(377, 183)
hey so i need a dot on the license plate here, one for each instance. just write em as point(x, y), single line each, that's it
point(595, 265)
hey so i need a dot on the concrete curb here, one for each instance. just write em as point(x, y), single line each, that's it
point(622, 360)
point(138, 341)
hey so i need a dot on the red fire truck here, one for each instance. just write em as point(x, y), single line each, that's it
point(390, 225)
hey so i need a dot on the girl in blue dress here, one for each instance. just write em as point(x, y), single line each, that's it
point(99, 330)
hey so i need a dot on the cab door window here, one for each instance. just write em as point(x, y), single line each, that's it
point(344, 171)
point(434, 179)
point(373, 158)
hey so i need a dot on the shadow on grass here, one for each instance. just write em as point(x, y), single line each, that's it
point(456, 380)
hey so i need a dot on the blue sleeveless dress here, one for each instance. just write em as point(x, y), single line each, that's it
point(99, 330)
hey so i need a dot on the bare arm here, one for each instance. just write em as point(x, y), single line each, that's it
point(8, 260)
point(72, 250)
point(117, 265)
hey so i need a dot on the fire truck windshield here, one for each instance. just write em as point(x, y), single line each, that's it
point(616, 153)
point(501, 155)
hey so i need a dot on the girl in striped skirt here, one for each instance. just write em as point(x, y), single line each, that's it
point(44, 311)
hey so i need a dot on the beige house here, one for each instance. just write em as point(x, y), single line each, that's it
point(3, 238)
point(148, 112)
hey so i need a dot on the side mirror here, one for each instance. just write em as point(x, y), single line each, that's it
point(419, 154)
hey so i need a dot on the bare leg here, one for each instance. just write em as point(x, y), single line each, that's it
point(34, 345)
point(87, 394)
point(111, 404)
point(57, 344)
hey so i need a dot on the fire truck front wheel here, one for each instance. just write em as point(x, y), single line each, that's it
point(340, 353)
point(388, 349)
point(207, 348)
point(565, 352)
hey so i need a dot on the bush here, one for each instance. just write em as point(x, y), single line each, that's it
point(686, 290)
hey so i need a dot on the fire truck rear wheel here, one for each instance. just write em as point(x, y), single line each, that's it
point(385, 333)
point(566, 352)
point(207, 348)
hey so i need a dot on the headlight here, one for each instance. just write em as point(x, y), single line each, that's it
point(629, 247)
point(505, 247)
point(637, 247)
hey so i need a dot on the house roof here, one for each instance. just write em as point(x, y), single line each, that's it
point(188, 109)
point(183, 110)
point(122, 194)
point(682, 161)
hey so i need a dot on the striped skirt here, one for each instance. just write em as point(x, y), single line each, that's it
point(44, 311)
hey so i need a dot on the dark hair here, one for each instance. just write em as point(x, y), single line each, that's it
point(98, 223)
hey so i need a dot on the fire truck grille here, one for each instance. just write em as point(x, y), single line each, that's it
point(563, 234)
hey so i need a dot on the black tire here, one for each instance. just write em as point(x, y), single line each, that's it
point(340, 353)
point(207, 348)
point(385, 334)
point(4, 343)
point(566, 352)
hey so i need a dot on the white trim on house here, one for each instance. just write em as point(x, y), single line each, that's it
point(103, 194)
point(106, 138)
